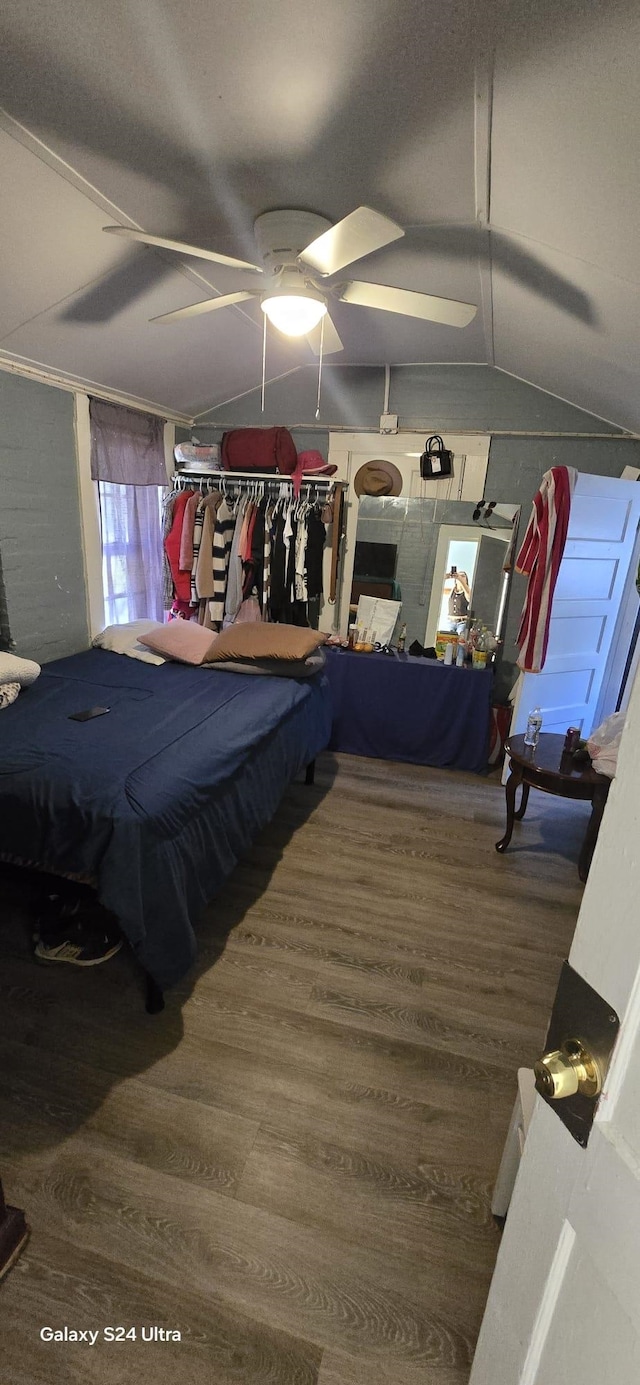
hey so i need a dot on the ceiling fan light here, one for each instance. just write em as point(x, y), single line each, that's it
point(294, 314)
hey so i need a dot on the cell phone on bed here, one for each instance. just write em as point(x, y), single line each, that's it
point(89, 714)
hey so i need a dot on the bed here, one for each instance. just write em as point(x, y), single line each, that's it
point(157, 801)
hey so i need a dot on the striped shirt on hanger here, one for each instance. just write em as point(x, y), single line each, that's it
point(222, 540)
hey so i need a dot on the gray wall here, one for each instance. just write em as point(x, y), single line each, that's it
point(444, 396)
point(40, 535)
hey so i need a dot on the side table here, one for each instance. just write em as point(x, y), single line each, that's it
point(548, 767)
point(14, 1234)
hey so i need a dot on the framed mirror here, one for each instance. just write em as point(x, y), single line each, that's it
point(442, 559)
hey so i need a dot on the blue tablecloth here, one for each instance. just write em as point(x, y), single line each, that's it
point(401, 708)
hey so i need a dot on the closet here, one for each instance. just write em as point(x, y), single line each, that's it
point(250, 546)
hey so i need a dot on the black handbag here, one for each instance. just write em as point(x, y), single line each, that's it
point(436, 460)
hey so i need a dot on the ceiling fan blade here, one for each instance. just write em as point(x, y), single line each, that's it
point(330, 341)
point(181, 247)
point(209, 305)
point(410, 304)
point(358, 234)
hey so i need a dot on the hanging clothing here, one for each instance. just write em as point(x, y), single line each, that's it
point(167, 579)
point(203, 563)
point(196, 539)
point(222, 540)
point(278, 567)
point(233, 597)
point(186, 537)
point(288, 537)
point(290, 576)
point(219, 554)
point(266, 565)
point(301, 557)
point(252, 577)
point(316, 538)
point(181, 580)
point(243, 546)
point(539, 560)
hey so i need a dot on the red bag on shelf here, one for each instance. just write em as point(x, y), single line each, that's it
point(259, 449)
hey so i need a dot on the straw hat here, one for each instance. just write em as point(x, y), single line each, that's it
point(378, 478)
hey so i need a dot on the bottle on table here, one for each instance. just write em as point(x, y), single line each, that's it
point(534, 725)
point(479, 649)
point(402, 638)
point(461, 652)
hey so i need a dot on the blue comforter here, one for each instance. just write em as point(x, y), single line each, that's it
point(157, 800)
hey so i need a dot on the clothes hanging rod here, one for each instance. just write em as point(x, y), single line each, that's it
point(242, 476)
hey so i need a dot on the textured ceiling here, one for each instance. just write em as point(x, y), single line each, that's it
point(189, 119)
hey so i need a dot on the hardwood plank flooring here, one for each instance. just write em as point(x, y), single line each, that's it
point(293, 1164)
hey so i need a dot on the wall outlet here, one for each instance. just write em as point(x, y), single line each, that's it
point(388, 423)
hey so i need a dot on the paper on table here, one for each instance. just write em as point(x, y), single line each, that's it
point(378, 616)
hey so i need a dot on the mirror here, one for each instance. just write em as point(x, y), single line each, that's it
point(440, 558)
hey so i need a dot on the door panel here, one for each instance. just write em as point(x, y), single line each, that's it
point(564, 1304)
point(611, 517)
point(585, 578)
point(571, 635)
point(576, 1348)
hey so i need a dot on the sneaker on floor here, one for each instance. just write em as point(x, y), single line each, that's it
point(81, 943)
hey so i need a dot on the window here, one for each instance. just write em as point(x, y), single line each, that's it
point(131, 528)
point(127, 462)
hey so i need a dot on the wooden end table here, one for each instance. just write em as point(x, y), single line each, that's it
point(14, 1234)
point(548, 767)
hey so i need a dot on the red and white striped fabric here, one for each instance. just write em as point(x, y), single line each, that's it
point(539, 560)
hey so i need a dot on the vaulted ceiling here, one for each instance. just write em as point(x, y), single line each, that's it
point(503, 135)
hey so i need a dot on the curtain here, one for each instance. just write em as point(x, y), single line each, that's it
point(130, 522)
point(127, 447)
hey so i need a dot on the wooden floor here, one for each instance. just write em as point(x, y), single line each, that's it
point(293, 1164)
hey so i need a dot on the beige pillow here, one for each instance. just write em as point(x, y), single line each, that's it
point(260, 640)
point(182, 640)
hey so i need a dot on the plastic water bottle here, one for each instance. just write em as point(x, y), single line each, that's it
point(534, 724)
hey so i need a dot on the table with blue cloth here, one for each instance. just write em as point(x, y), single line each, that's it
point(396, 707)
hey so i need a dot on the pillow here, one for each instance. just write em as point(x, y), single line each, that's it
point(273, 668)
point(261, 640)
point(16, 670)
point(183, 640)
point(125, 639)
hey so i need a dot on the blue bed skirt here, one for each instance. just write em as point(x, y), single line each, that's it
point(157, 801)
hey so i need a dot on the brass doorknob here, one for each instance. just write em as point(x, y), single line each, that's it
point(568, 1070)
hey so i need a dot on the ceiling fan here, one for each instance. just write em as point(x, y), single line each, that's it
point(299, 252)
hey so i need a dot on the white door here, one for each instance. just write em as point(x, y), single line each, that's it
point(595, 571)
point(564, 1304)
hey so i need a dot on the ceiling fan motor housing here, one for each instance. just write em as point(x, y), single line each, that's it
point(282, 235)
